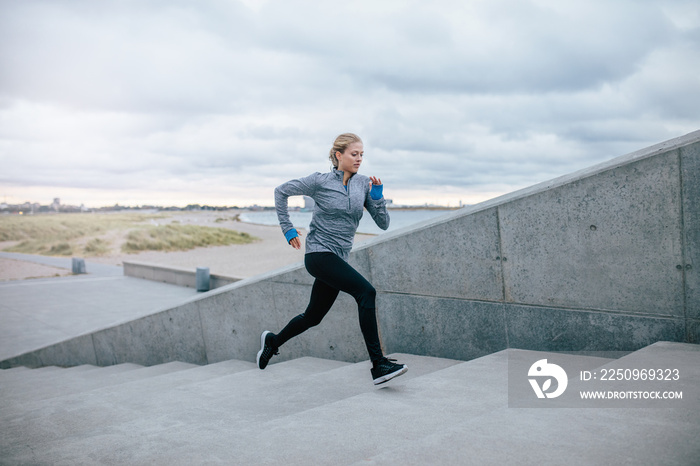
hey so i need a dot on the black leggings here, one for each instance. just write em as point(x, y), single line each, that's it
point(333, 275)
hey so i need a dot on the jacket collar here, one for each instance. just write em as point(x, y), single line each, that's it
point(339, 174)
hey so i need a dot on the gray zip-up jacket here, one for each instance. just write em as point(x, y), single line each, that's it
point(337, 212)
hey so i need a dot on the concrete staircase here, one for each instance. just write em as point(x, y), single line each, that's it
point(312, 411)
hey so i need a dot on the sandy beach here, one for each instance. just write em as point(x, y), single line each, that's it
point(241, 261)
point(11, 269)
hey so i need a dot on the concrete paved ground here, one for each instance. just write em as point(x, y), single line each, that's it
point(39, 312)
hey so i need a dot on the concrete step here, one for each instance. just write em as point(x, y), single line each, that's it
point(90, 412)
point(361, 426)
point(82, 368)
point(37, 385)
point(113, 370)
point(213, 408)
point(24, 375)
point(12, 370)
point(576, 436)
point(398, 414)
point(312, 411)
point(358, 427)
point(168, 376)
point(14, 385)
point(10, 374)
point(221, 419)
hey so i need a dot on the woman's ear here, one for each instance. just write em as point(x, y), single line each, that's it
point(338, 154)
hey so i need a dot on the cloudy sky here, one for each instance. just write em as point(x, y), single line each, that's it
point(218, 101)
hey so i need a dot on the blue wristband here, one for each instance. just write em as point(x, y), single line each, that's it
point(376, 191)
point(291, 234)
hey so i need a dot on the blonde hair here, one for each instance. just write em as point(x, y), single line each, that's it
point(341, 143)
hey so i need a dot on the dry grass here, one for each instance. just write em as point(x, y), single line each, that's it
point(97, 247)
point(176, 237)
point(93, 234)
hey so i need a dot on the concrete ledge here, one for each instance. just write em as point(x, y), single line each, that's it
point(173, 275)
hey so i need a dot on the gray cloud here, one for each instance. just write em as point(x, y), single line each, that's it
point(221, 99)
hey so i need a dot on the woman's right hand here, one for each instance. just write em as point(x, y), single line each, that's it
point(296, 242)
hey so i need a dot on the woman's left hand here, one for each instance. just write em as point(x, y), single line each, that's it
point(374, 181)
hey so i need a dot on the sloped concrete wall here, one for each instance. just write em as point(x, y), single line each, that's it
point(604, 259)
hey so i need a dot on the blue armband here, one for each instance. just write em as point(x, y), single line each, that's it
point(376, 192)
point(291, 234)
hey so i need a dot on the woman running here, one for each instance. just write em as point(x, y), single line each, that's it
point(340, 196)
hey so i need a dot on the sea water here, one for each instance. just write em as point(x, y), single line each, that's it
point(301, 219)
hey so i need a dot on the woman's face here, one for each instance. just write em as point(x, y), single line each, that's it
point(351, 159)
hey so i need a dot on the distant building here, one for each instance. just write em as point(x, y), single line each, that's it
point(56, 204)
point(309, 203)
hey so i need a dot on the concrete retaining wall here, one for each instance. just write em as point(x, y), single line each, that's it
point(173, 275)
point(605, 259)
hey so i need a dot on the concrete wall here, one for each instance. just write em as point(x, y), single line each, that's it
point(173, 275)
point(605, 259)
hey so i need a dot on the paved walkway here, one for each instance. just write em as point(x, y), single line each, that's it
point(40, 312)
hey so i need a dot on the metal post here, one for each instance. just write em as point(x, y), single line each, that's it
point(202, 278)
point(78, 266)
